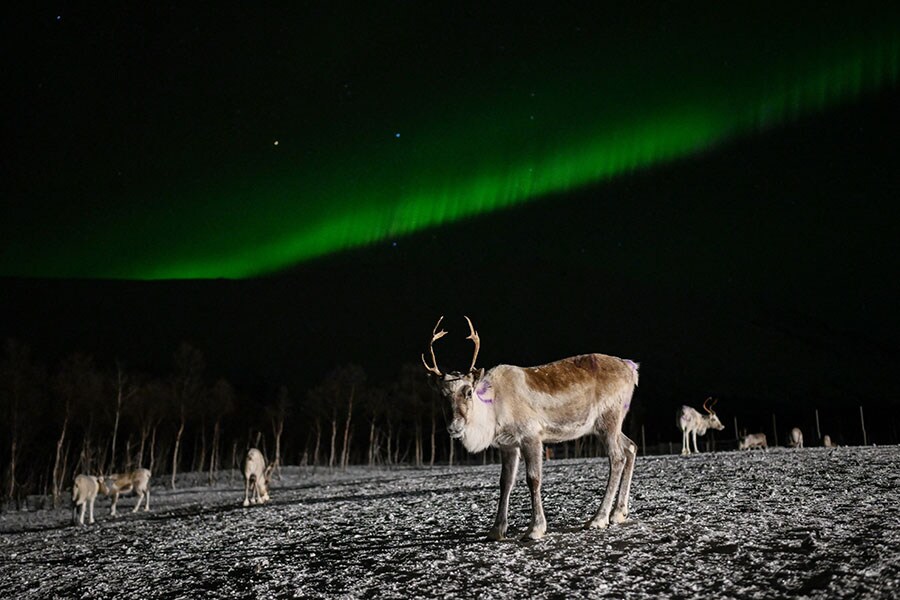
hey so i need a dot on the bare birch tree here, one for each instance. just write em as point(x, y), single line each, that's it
point(187, 387)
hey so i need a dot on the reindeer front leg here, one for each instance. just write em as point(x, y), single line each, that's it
point(508, 470)
point(533, 450)
point(115, 500)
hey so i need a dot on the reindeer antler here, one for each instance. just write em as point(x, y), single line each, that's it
point(708, 408)
point(473, 335)
point(435, 336)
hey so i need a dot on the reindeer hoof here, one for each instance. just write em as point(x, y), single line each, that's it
point(619, 517)
point(597, 524)
point(496, 534)
point(535, 534)
point(246, 503)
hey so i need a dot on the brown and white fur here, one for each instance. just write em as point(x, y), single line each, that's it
point(256, 473)
point(84, 493)
point(123, 483)
point(753, 440)
point(519, 409)
point(692, 424)
point(826, 441)
point(796, 438)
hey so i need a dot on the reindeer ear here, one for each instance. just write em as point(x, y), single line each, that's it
point(478, 373)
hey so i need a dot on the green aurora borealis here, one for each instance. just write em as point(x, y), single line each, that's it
point(501, 139)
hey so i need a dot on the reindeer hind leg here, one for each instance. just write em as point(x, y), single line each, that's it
point(617, 460)
point(621, 512)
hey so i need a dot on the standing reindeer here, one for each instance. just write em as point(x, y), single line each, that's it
point(123, 483)
point(796, 438)
point(256, 474)
point(84, 493)
point(518, 409)
point(753, 440)
point(692, 424)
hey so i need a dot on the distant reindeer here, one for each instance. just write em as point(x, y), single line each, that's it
point(692, 424)
point(137, 481)
point(826, 441)
point(256, 474)
point(753, 440)
point(796, 438)
point(84, 493)
point(519, 409)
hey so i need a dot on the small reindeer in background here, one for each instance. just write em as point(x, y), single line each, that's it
point(692, 424)
point(137, 481)
point(519, 409)
point(256, 475)
point(753, 440)
point(84, 493)
point(796, 438)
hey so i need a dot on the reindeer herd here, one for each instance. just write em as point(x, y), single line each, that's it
point(86, 487)
point(514, 409)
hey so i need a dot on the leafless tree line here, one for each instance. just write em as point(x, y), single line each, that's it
point(79, 416)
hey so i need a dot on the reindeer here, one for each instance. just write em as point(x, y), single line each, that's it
point(692, 423)
point(796, 438)
point(122, 483)
point(84, 493)
point(519, 409)
point(753, 440)
point(257, 474)
point(826, 441)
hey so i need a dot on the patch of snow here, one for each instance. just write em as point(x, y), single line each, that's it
point(806, 523)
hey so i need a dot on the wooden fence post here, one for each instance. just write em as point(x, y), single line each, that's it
point(862, 422)
point(775, 428)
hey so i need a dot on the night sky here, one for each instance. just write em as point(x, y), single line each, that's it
point(710, 191)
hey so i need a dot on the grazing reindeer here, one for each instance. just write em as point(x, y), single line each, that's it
point(826, 441)
point(753, 440)
point(137, 481)
point(519, 409)
point(256, 473)
point(692, 424)
point(796, 438)
point(84, 492)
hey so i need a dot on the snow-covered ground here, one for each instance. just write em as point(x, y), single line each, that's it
point(821, 523)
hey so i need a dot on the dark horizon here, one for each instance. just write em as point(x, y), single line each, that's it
point(822, 335)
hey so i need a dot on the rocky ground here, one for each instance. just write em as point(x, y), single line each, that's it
point(815, 522)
